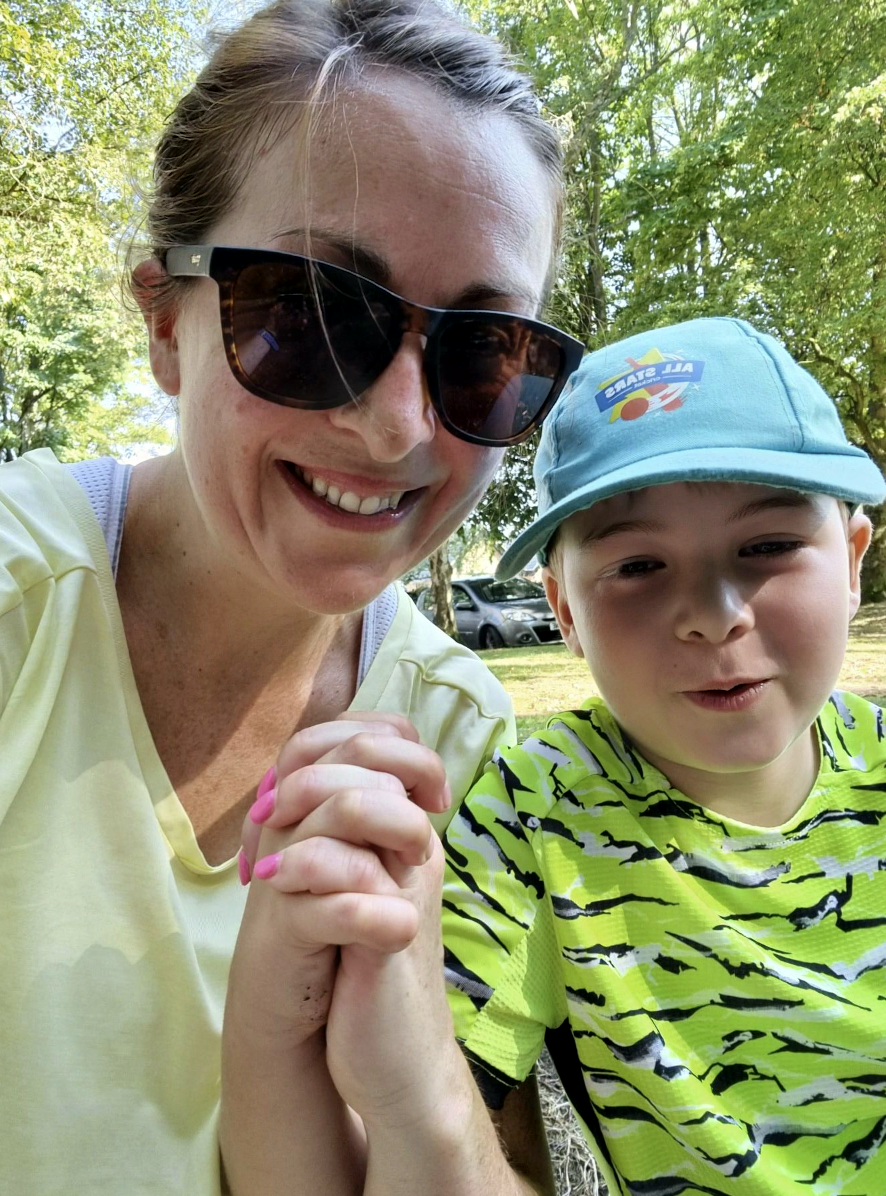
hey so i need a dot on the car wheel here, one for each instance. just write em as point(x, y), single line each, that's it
point(491, 638)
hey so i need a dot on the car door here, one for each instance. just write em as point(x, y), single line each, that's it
point(467, 616)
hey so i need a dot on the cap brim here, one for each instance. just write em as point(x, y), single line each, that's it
point(854, 478)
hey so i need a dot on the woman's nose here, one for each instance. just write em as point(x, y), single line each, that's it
point(394, 415)
point(714, 609)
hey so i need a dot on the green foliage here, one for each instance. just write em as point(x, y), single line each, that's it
point(84, 87)
point(723, 157)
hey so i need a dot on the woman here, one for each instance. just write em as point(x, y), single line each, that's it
point(331, 435)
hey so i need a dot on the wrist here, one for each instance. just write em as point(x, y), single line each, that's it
point(444, 1145)
point(277, 998)
point(433, 1106)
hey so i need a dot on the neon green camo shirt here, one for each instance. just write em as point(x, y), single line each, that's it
point(713, 993)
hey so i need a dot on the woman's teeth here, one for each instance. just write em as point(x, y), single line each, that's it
point(346, 500)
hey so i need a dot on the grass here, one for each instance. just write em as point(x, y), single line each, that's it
point(546, 679)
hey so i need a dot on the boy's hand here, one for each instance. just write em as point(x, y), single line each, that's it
point(389, 1027)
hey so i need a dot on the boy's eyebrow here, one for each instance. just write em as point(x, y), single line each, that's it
point(789, 498)
point(620, 527)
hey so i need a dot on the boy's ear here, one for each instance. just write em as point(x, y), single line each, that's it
point(161, 324)
point(561, 608)
point(859, 535)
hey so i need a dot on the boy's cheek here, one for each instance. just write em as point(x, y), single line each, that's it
point(572, 642)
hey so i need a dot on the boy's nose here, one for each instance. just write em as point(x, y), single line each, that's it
point(395, 414)
point(715, 610)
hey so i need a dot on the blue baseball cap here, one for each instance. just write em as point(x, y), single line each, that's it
point(711, 400)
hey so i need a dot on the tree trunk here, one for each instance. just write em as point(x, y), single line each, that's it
point(441, 578)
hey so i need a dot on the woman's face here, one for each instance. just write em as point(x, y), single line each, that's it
point(445, 206)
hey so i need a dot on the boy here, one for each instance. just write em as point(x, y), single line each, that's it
point(681, 887)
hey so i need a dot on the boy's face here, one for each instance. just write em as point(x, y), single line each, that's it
point(713, 617)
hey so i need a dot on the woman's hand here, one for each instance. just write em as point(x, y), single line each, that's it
point(347, 850)
point(348, 876)
point(336, 835)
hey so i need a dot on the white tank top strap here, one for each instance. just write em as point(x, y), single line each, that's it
point(106, 484)
point(377, 620)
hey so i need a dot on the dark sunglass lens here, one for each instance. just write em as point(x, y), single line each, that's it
point(306, 334)
point(363, 330)
point(495, 375)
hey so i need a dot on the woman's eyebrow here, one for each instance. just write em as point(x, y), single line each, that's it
point(479, 294)
point(360, 260)
point(371, 265)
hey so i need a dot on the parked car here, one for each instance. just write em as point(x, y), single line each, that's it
point(498, 614)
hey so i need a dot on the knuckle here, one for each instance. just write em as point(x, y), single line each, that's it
point(302, 790)
point(350, 806)
point(312, 863)
point(365, 871)
point(351, 910)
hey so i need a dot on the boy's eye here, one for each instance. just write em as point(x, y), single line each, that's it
point(771, 548)
point(639, 568)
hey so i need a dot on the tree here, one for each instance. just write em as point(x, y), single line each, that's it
point(441, 587)
point(83, 89)
point(723, 157)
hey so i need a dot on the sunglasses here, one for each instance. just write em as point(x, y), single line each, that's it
point(305, 334)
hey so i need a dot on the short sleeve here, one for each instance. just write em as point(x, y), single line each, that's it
point(502, 958)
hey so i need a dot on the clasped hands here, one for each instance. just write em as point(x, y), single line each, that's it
point(343, 918)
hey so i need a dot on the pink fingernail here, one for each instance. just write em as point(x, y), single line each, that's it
point(243, 868)
point(263, 808)
point(268, 867)
point(268, 781)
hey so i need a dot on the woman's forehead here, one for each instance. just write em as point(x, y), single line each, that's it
point(404, 173)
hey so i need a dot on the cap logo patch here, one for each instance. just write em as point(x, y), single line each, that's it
point(655, 382)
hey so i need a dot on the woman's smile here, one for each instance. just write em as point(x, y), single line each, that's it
point(377, 506)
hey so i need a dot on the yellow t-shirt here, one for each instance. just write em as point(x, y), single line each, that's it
point(115, 933)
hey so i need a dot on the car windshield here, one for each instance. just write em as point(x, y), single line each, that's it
point(515, 590)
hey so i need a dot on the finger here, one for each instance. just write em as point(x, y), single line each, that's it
point(419, 768)
point(398, 721)
point(321, 866)
point(364, 760)
point(309, 744)
point(380, 922)
point(296, 796)
point(249, 838)
point(418, 879)
point(378, 819)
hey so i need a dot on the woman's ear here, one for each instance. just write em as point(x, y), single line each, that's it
point(560, 606)
point(160, 319)
point(858, 532)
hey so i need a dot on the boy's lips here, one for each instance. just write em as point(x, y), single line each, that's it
point(728, 695)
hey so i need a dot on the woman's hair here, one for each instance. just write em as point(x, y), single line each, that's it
point(268, 74)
